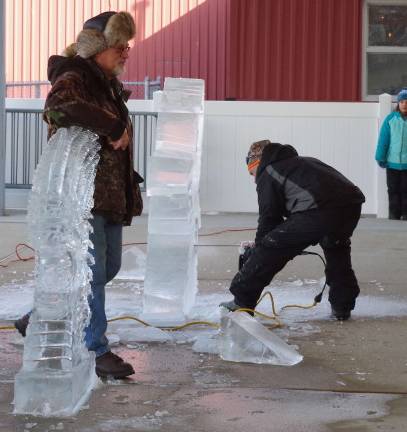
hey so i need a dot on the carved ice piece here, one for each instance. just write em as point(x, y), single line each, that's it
point(244, 339)
point(58, 371)
point(170, 285)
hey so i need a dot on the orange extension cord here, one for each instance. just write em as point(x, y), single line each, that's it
point(20, 258)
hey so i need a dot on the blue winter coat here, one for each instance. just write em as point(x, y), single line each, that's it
point(392, 143)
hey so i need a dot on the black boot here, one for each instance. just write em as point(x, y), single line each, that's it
point(110, 364)
point(340, 313)
point(230, 306)
point(394, 216)
point(22, 323)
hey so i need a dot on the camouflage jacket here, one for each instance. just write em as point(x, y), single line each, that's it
point(81, 95)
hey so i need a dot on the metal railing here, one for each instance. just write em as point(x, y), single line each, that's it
point(26, 134)
point(37, 89)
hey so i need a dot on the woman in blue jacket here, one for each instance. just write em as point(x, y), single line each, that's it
point(391, 153)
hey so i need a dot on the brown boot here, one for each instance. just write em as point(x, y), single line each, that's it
point(110, 364)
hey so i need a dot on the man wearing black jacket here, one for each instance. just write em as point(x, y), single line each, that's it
point(302, 202)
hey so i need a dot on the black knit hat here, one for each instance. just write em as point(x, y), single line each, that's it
point(98, 22)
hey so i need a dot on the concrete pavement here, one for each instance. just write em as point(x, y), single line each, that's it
point(353, 377)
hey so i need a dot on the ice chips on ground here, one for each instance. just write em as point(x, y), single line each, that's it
point(143, 334)
point(244, 339)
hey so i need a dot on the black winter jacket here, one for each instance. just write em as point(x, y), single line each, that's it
point(288, 183)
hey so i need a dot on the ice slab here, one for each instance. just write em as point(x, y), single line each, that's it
point(175, 207)
point(133, 264)
point(187, 85)
point(244, 339)
point(169, 176)
point(180, 95)
point(172, 289)
point(174, 214)
point(57, 393)
point(177, 135)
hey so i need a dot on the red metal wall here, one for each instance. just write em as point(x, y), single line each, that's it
point(37, 29)
point(244, 49)
point(174, 38)
point(181, 38)
point(304, 50)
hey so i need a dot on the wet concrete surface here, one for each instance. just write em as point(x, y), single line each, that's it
point(353, 377)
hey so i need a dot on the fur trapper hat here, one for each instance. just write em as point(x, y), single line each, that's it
point(255, 151)
point(100, 32)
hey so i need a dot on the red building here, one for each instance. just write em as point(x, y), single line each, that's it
point(292, 50)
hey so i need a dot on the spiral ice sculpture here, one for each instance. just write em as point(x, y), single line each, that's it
point(58, 371)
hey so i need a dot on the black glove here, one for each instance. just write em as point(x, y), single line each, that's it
point(243, 257)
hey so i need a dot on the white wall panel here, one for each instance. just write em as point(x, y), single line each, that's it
point(341, 134)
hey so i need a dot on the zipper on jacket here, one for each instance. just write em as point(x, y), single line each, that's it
point(402, 137)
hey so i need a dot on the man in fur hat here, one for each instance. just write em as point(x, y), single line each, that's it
point(302, 202)
point(85, 92)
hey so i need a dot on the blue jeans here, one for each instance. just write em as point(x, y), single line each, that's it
point(107, 252)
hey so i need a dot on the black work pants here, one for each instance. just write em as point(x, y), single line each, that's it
point(397, 190)
point(332, 229)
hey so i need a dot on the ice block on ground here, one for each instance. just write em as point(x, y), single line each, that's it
point(244, 339)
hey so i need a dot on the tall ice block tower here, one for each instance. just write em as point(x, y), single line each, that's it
point(170, 283)
point(58, 371)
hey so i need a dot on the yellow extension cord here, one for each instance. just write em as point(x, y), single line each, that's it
point(210, 324)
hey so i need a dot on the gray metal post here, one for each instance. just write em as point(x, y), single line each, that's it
point(2, 108)
point(146, 88)
point(385, 106)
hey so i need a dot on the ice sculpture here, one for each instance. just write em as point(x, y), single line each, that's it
point(170, 283)
point(244, 339)
point(133, 265)
point(58, 371)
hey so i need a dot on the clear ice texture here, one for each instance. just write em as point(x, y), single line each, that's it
point(58, 371)
point(170, 285)
point(180, 95)
point(244, 339)
point(177, 134)
point(169, 176)
point(170, 274)
point(171, 214)
point(133, 264)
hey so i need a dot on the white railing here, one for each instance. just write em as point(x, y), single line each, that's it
point(342, 134)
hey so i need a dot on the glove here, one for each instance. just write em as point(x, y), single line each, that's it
point(382, 164)
point(247, 252)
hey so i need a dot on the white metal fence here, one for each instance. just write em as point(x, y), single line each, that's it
point(343, 135)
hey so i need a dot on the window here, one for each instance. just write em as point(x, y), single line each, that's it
point(385, 48)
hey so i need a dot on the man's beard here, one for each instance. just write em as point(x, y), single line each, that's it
point(118, 70)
